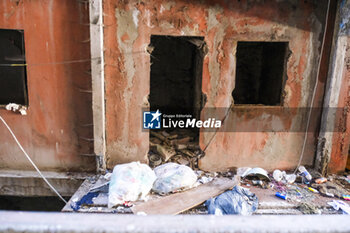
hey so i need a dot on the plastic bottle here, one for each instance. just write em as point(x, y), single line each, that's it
point(280, 195)
point(305, 173)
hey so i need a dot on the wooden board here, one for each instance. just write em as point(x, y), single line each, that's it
point(180, 202)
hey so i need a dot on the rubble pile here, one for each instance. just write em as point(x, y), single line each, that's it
point(178, 146)
point(302, 189)
point(132, 184)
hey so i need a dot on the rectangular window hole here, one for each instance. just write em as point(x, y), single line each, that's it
point(13, 75)
point(260, 73)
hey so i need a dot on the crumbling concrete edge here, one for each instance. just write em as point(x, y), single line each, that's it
point(30, 183)
point(98, 87)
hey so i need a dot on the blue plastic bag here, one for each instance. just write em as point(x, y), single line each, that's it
point(236, 201)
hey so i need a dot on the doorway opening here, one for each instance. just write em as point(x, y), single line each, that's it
point(176, 92)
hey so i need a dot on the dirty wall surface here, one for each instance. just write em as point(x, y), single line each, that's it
point(339, 154)
point(59, 113)
point(128, 28)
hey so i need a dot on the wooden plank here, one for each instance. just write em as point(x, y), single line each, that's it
point(98, 87)
point(179, 202)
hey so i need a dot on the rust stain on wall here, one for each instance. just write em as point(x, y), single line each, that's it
point(341, 136)
point(59, 112)
point(129, 26)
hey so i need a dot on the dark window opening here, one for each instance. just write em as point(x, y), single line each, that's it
point(13, 83)
point(176, 85)
point(176, 73)
point(31, 203)
point(260, 72)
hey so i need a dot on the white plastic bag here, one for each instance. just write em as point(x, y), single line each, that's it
point(172, 177)
point(130, 182)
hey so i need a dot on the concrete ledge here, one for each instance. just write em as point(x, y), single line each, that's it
point(29, 183)
point(11, 221)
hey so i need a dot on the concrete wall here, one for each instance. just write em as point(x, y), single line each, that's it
point(128, 28)
point(55, 31)
point(333, 146)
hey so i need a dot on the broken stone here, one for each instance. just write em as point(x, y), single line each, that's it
point(330, 189)
point(309, 208)
point(155, 140)
point(181, 146)
point(188, 153)
point(165, 134)
point(184, 140)
point(159, 136)
point(165, 151)
point(172, 136)
point(172, 146)
point(193, 146)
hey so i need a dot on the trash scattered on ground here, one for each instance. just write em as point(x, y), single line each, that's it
point(130, 182)
point(258, 173)
point(179, 189)
point(101, 199)
point(313, 190)
point(321, 180)
point(239, 200)
point(242, 171)
point(282, 176)
point(85, 200)
point(280, 195)
point(277, 175)
point(305, 174)
point(340, 205)
point(330, 189)
point(172, 177)
point(309, 208)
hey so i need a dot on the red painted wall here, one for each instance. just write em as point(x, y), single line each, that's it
point(55, 31)
point(128, 27)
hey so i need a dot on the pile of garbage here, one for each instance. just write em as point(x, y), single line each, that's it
point(236, 201)
point(300, 187)
point(178, 146)
point(133, 182)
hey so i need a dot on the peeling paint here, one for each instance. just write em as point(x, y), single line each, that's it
point(222, 24)
point(52, 33)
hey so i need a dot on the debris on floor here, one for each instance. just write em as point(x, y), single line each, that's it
point(236, 201)
point(340, 205)
point(183, 201)
point(172, 177)
point(171, 188)
point(309, 208)
point(178, 146)
point(130, 182)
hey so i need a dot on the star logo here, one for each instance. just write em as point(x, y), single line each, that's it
point(156, 115)
point(151, 120)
